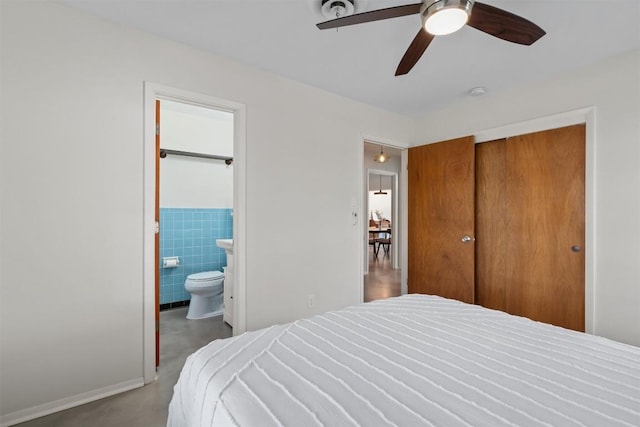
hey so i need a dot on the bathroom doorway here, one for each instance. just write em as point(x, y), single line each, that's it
point(191, 213)
point(194, 205)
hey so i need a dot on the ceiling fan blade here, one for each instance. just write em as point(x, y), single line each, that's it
point(374, 15)
point(504, 25)
point(414, 52)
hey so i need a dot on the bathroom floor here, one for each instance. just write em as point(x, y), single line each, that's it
point(146, 406)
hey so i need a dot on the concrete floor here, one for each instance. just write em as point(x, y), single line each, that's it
point(179, 337)
point(146, 406)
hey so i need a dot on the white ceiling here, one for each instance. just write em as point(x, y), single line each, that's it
point(359, 61)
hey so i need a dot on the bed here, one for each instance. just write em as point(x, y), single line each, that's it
point(414, 360)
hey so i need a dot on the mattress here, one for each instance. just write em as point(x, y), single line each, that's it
point(414, 360)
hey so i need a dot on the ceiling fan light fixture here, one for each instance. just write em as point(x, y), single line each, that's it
point(446, 16)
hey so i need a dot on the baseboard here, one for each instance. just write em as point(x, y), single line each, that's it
point(175, 304)
point(68, 402)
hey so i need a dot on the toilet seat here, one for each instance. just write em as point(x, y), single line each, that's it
point(205, 276)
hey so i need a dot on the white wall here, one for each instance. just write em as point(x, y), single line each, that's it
point(191, 182)
point(376, 184)
point(381, 203)
point(72, 197)
point(613, 88)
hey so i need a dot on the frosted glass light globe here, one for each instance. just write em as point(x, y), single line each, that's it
point(446, 21)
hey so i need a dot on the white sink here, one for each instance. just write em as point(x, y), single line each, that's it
point(226, 244)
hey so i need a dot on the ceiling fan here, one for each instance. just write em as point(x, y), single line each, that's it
point(440, 17)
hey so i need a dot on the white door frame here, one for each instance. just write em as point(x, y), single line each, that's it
point(153, 91)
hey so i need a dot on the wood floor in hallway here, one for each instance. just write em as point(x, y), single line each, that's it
point(382, 281)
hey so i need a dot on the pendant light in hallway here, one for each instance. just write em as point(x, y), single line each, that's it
point(380, 192)
point(381, 158)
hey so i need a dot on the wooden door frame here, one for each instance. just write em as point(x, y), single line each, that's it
point(156, 237)
point(579, 116)
point(153, 91)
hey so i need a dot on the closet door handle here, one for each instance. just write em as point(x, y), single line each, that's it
point(467, 239)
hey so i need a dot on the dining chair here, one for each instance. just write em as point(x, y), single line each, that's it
point(385, 242)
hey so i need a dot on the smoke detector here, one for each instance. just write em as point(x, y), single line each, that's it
point(333, 9)
point(478, 91)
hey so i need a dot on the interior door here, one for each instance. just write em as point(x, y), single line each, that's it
point(441, 219)
point(545, 188)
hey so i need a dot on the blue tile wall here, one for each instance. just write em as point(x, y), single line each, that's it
point(191, 234)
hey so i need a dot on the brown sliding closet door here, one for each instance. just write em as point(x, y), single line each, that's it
point(528, 216)
point(545, 226)
point(491, 224)
point(440, 214)
point(530, 226)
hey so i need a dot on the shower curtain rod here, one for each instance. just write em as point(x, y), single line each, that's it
point(165, 151)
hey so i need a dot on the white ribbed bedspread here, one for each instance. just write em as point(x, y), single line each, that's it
point(415, 360)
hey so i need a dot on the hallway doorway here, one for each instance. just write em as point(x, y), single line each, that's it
point(382, 222)
point(194, 206)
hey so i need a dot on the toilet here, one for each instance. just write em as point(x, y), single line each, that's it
point(206, 290)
